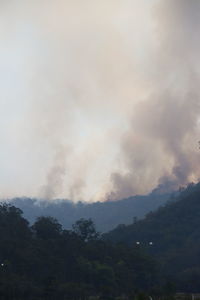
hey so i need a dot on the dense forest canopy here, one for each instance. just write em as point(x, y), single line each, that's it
point(155, 256)
point(174, 234)
point(43, 261)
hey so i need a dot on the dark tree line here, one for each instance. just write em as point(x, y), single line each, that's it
point(175, 233)
point(43, 261)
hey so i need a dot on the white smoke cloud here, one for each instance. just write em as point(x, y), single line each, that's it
point(99, 99)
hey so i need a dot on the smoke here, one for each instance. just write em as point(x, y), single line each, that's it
point(99, 99)
point(160, 147)
point(55, 176)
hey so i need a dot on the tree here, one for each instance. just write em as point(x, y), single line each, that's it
point(86, 230)
point(47, 228)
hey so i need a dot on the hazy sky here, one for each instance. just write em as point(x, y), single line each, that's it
point(98, 99)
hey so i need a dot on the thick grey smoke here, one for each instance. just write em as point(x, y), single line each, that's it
point(161, 145)
point(99, 99)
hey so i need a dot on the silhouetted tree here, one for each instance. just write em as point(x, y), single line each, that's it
point(86, 230)
point(47, 228)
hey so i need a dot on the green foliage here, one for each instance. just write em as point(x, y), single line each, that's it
point(47, 228)
point(46, 262)
point(85, 229)
point(172, 236)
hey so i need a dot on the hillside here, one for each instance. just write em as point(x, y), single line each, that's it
point(106, 215)
point(172, 235)
point(45, 262)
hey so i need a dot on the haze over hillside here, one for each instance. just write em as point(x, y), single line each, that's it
point(106, 215)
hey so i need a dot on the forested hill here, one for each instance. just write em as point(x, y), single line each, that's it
point(106, 215)
point(172, 234)
point(45, 262)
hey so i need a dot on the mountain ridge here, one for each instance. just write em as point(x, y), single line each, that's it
point(171, 234)
point(106, 215)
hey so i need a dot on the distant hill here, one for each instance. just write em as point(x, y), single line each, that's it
point(172, 235)
point(106, 215)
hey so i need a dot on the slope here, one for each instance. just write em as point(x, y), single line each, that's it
point(171, 234)
point(106, 215)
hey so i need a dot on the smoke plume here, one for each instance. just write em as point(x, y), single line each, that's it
point(160, 147)
point(100, 99)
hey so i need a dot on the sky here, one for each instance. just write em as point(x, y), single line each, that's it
point(99, 100)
